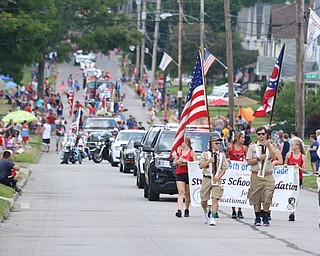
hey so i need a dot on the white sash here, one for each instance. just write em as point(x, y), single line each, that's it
point(262, 170)
point(218, 168)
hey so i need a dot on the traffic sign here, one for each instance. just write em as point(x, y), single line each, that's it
point(311, 76)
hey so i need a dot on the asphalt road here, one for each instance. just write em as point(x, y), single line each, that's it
point(93, 209)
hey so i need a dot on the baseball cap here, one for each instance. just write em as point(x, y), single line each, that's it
point(280, 131)
point(216, 136)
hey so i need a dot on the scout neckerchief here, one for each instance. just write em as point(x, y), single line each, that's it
point(262, 169)
point(218, 169)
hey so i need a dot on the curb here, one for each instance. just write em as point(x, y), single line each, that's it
point(25, 173)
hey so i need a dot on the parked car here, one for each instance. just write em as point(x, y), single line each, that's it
point(122, 138)
point(139, 158)
point(221, 94)
point(160, 174)
point(95, 127)
point(127, 155)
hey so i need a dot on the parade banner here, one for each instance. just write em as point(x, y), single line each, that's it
point(236, 183)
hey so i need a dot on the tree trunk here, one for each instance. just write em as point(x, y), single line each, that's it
point(41, 79)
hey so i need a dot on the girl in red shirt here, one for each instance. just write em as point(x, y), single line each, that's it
point(181, 160)
point(237, 152)
point(297, 157)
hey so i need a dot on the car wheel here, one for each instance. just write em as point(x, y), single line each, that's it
point(126, 169)
point(152, 196)
point(113, 163)
point(140, 181)
point(145, 190)
point(120, 167)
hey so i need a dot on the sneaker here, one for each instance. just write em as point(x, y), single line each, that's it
point(217, 215)
point(213, 222)
point(234, 215)
point(240, 215)
point(291, 217)
point(265, 220)
point(179, 214)
point(186, 213)
point(205, 218)
point(257, 222)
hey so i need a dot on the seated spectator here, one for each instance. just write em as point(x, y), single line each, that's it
point(9, 171)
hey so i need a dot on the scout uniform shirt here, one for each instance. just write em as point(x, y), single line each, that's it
point(207, 155)
point(251, 154)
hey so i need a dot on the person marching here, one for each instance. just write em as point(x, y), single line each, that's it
point(237, 152)
point(181, 160)
point(262, 184)
point(211, 181)
point(299, 159)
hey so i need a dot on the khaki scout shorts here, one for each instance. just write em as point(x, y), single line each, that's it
point(207, 189)
point(261, 189)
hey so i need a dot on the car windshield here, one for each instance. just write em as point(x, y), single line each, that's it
point(125, 136)
point(199, 141)
point(151, 135)
point(132, 141)
point(101, 123)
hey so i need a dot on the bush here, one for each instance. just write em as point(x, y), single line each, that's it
point(312, 123)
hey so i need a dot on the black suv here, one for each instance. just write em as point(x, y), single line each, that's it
point(139, 157)
point(160, 174)
point(95, 127)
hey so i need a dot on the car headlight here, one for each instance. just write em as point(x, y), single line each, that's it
point(117, 148)
point(130, 156)
point(162, 163)
point(99, 143)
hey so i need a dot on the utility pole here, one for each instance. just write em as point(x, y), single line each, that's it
point(299, 87)
point(144, 17)
point(229, 60)
point(138, 2)
point(202, 26)
point(180, 57)
point(155, 42)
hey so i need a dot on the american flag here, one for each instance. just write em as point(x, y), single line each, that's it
point(208, 61)
point(74, 125)
point(70, 102)
point(195, 106)
point(272, 88)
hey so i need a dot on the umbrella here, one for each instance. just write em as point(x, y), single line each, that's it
point(19, 117)
point(10, 85)
point(2, 84)
point(217, 102)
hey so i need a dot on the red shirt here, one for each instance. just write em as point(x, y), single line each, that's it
point(51, 119)
point(299, 161)
point(184, 168)
point(28, 109)
point(237, 155)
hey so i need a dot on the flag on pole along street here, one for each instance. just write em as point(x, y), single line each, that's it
point(238, 76)
point(71, 102)
point(313, 32)
point(272, 88)
point(208, 61)
point(166, 59)
point(195, 106)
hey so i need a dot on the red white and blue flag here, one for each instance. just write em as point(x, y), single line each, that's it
point(272, 88)
point(195, 107)
point(208, 61)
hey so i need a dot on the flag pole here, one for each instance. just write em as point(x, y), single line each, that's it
point(206, 100)
point(275, 96)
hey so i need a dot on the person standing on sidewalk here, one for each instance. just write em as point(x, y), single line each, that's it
point(237, 152)
point(46, 134)
point(185, 155)
point(211, 181)
point(262, 184)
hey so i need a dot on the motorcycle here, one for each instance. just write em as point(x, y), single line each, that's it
point(69, 152)
point(101, 152)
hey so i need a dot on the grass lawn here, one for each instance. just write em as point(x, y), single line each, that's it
point(3, 208)
point(30, 155)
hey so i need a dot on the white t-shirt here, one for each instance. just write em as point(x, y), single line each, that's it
point(46, 131)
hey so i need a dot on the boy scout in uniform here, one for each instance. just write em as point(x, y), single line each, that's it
point(211, 181)
point(262, 183)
